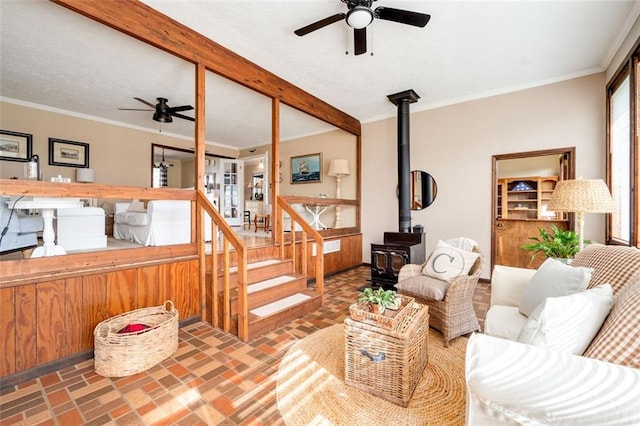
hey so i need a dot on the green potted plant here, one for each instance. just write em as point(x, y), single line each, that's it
point(559, 243)
point(379, 299)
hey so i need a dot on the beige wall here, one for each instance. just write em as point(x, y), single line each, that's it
point(548, 165)
point(332, 145)
point(335, 144)
point(118, 155)
point(455, 144)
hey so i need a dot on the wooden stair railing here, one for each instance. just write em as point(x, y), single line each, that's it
point(282, 206)
point(218, 224)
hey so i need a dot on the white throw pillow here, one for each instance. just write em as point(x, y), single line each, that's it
point(553, 279)
point(447, 262)
point(568, 323)
point(136, 206)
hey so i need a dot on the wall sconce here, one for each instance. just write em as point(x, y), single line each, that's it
point(338, 167)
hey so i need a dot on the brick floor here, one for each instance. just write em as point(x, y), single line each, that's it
point(212, 379)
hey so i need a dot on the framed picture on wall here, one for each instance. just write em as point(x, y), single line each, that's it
point(15, 146)
point(306, 168)
point(68, 153)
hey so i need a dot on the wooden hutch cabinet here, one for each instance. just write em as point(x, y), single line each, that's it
point(526, 197)
point(521, 209)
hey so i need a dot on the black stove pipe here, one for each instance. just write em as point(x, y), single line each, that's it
point(402, 101)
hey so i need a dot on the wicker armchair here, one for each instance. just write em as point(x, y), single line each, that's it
point(453, 315)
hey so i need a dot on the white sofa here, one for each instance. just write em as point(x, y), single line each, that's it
point(21, 231)
point(516, 383)
point(81, 228)
point(159, 223)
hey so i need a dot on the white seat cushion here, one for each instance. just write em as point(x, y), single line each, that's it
point(132, 218)
point(504, 321)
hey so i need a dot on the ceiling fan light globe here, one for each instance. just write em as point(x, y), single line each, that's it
point(359, 17)
point(162, 117)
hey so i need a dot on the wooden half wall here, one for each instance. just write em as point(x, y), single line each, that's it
point(48, 321)
point(348, 256)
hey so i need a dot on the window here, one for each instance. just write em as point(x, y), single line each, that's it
point(623, 98)
point(620, 136)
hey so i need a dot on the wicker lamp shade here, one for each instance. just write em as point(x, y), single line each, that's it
point(581, 196)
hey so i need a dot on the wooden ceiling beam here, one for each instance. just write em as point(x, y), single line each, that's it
point(144, 23)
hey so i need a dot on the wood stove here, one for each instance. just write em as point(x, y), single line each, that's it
point(403, 247)
point(397, 250)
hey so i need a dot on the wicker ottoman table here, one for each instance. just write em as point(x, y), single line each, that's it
point(387, 363)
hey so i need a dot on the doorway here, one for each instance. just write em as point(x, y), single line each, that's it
point(522, 184)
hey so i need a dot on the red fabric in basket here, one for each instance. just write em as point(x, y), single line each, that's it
point(132, 328)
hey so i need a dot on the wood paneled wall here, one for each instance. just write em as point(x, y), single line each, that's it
point(349, 256)
point(49, 320)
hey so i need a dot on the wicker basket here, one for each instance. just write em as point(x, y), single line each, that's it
point(387, 320)
point(387, 363)
point(120, 355)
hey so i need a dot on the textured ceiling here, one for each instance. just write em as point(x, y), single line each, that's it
point(470, 49)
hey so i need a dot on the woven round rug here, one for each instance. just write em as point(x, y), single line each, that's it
point(310, 389)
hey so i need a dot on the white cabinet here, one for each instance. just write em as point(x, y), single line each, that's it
point(232, 195)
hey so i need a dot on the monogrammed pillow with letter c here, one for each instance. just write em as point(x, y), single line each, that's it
point(447, 262)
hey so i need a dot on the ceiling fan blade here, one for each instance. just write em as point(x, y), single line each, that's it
point(359, 41)
point(319, 24)
point(145, 102)
point(175, 114)
point(402, 16)
point(180, 108)
point(134, 109)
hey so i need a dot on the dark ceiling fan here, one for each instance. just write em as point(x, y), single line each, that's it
point(163, 112)
point(360, 15)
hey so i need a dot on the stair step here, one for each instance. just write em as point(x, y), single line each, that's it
point(259, 325)
point(260, 271)
point(279, 305)
point(256, 265)
point(273, 282)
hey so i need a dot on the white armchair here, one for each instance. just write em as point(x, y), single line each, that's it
point(162, 222)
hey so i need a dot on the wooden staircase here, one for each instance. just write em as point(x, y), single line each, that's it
point(249, 291)
point(275, 294)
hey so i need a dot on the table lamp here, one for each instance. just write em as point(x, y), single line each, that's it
point(338, 167)
point(581, 196)
point(85, 175)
